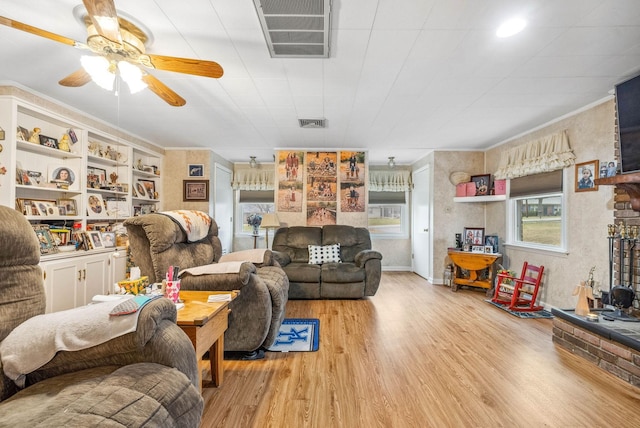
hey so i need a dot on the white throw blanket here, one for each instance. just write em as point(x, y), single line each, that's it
point(194, 223)
point(36, 341)
point(227, 267)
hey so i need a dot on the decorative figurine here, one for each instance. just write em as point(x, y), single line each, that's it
point(114, 177)
point(64, 143)
point(139, 165)
point(35, 137)
point(583, 292)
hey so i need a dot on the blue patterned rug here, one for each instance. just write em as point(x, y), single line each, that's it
point(538, 314)
point(297, 335)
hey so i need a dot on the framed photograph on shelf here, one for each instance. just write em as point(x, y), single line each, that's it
point(477, 248)
point(483, 184)
point(139, 191)
point(149, 187)
point(69, 205)
point(474, 236)
point(95, 239)
point(117, 208)
point(147, 208)
point(491, 241)
point(195, 190)
point(47, 244)
point(95, 205)
point(108, 239)
point(23, 133)
point(62, 174)
point(195, 170)
point(48, 141)
point(586, 172)
point(96, 177)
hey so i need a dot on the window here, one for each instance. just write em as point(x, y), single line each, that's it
point(536, 212)
point(252, 202)
point(388, 214)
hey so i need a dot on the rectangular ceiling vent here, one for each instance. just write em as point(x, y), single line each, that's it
point(312, 123)
point(295, 28)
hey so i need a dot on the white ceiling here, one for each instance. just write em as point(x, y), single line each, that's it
point(404, 76)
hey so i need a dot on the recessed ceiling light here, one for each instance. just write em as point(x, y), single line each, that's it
point(511, 27)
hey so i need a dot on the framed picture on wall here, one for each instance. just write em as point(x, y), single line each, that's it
point(195, 170)
point(586, 172)
point(195, 190)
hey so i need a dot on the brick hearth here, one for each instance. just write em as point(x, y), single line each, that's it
point(614, 346)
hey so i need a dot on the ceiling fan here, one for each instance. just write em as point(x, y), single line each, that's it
point(119, 46)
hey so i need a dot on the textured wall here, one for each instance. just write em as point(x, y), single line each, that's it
point(591, 136)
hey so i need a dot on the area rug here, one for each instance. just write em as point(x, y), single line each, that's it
point(297, 335)
point(537, 314)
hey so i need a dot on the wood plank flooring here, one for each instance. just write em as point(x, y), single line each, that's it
point(419, 355)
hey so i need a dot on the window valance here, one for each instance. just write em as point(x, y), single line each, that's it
point(390, 181)
point(546, 154)
point(247, 178)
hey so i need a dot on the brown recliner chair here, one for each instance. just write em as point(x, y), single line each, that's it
point(156, 242)
point(146, 377)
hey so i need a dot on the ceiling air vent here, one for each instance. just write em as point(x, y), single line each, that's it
point(312, 123)
point(295, 28)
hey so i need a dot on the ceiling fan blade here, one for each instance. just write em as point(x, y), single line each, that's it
point(105, 18)
point(77, 78)
point(184, 65)
point(40, 32)
point(163, 91)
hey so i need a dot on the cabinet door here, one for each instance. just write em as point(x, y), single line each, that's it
point(95, 277)
point(62, 278)
point(118, 268)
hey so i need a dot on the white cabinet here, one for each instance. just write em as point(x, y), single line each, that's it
point(73, 281)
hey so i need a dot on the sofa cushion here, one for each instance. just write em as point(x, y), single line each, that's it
point(302, 272)
point(352, 240)
point(144, 394)
point(319, 254)
point(342, 273)
point(295, 241)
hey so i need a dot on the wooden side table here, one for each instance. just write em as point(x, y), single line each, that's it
point(205, 324)
point(473, 263)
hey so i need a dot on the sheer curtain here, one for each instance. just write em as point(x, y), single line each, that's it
point(546, 154)
point(390, 180)
point(247, 178)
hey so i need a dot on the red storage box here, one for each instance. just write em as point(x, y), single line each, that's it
point(461, 189)
point(500, 187)
point(471, 188)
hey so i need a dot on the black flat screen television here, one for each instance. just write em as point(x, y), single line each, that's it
point(628, 109)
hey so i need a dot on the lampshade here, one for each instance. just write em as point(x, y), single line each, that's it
point(270, 221)
point(132, 75)
point(100, 69)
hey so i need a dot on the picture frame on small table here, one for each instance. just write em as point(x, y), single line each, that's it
point(474, 236)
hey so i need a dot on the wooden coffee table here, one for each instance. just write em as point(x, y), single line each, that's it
point(205, 324)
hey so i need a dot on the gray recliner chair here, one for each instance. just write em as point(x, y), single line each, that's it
point(147, 377)
point(156, 242)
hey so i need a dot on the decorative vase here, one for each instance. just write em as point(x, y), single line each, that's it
point(255, 229)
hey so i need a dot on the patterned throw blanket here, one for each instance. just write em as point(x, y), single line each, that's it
point(194, 223)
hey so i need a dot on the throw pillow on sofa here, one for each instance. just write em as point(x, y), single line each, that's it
point(319, 254)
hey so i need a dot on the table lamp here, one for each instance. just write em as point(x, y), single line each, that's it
point(269, 221)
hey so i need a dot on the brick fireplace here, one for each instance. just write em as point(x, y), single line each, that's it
point(613, 346)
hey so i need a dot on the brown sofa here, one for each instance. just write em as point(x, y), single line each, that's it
point(356, 275)
point(144, 378)
point(157, 242)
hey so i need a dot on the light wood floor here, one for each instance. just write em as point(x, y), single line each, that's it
point(419, 355)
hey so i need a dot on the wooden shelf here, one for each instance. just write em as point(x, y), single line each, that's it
point(630, 183)
point(489, 198)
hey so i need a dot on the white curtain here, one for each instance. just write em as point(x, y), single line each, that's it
point(260, 178)
point(390, 180)
point(546, 154)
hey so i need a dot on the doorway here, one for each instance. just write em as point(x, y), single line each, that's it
point(421, 219)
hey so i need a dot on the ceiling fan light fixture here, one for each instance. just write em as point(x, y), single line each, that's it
point(100, 70)
point(392, 162)
point(511, 27)
point(252, 162)
point(132, 75)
